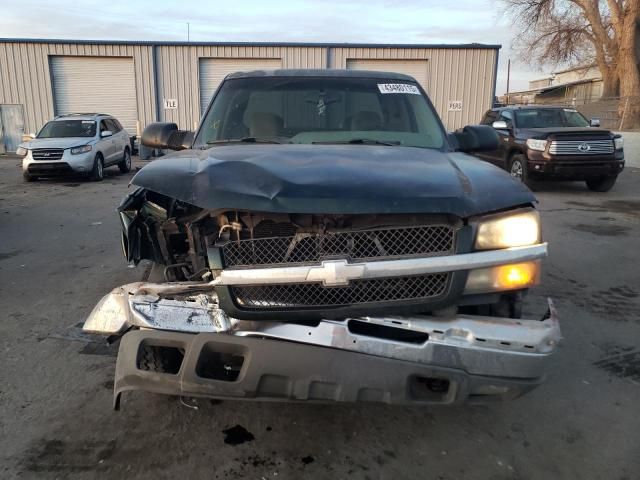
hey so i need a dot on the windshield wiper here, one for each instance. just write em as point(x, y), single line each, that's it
point(359, 141)
point(243, 140)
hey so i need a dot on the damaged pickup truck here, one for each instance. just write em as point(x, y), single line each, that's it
point(322, 238)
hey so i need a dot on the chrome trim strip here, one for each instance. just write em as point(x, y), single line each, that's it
point(573, 147)
point(340, 272)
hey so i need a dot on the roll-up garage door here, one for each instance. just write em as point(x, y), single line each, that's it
point(96, 85)
point(213, 71)
point(416, 68)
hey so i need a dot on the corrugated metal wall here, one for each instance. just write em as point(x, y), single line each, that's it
point(178, 72)
point(455, 74)
point(466, 75)
point(25, 77)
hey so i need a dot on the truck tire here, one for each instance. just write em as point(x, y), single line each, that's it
point(97, 172)
point(601, 184)
point(518, 169)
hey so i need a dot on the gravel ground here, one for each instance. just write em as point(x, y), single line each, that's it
point(60, 252)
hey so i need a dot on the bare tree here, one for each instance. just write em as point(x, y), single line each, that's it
point(604, 32)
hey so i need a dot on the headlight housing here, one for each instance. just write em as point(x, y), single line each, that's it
point(511, 230)
point(501, 278)
point(22, 151)
point(536, 144)
point(618, 143)
point(82, 149)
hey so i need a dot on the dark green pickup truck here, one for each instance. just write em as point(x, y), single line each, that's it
point(323, 239)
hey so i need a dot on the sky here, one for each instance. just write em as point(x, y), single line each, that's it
point(335, 21)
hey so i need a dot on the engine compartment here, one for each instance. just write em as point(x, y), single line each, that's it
point(179, 236)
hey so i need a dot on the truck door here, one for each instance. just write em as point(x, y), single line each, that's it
point(506, 139)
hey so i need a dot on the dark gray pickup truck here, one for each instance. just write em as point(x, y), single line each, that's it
point(554, 143)
point(323, 239)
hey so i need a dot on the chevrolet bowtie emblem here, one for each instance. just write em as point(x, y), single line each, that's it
point(334, 273)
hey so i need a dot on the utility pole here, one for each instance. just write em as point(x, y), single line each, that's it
point(508, 78)
point(188, 32)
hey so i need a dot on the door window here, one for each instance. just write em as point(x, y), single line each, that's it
point(489, 118)
point(507, 117)
point(113, 125)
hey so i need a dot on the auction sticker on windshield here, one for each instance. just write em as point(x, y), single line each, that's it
point(398, 88)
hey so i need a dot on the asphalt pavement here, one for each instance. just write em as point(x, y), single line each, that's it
point(60, 252)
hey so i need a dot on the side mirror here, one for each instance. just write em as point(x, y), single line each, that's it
point(477, 138)
point(166, 135)
point(594, 122)
point(500, 125)
point(106, 133)
point(28, 137)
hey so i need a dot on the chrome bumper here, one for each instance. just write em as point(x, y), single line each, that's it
point(476, 345)
point(272, 370)
point(476, 355)
point(340, 272)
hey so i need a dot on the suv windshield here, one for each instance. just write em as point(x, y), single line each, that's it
point(549, 117)
point(321, 110)
point(68, 128)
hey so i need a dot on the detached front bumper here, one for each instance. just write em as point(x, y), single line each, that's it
point(276, 370)
point(397, 360)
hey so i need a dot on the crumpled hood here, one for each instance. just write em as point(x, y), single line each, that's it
point(66, 142)
point(333, 179)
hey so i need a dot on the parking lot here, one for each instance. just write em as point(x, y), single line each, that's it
point(60, 252)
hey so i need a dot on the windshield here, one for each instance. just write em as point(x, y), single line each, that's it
point(321, 110)
point(550, 117)
point(68, 128)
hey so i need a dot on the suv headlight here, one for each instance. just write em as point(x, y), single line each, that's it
point(535, 144)
point(82, 149)
point(22, 151)
point(511, 230)
point(618, 143)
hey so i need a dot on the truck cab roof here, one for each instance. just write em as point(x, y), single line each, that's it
point(302, 73)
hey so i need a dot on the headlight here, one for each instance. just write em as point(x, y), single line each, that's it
point(22, 151)
point(82, 149)
point(618, 143)
point(503, 277)
point(515, 230)
point(535, 144)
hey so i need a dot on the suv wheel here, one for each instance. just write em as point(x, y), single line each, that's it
point(29, 178)
point(601, 184)
point(97, 173)
point(125, 163)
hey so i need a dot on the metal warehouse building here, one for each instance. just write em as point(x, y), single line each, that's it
point(143, 82)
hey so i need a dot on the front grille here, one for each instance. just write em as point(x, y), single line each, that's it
point(47, 154)
point(581, 147)
point(310, 295)
point(425, 240)
point(59, 168)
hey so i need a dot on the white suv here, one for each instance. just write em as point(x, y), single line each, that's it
point(76, 143)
